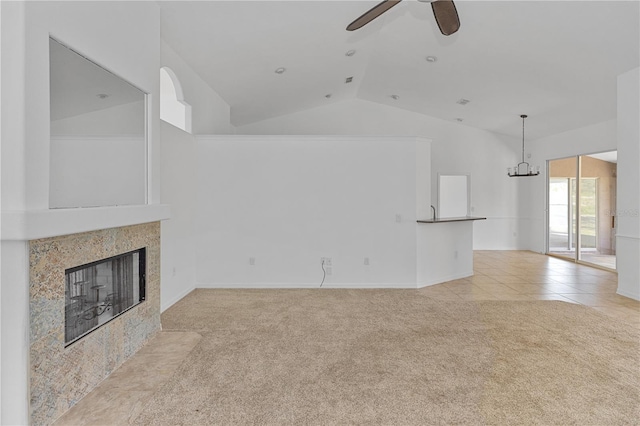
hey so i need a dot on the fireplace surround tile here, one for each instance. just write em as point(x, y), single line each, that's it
point(61, 376)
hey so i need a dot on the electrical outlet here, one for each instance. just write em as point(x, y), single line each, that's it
point(398, 218)
point(328, 270)
point(455, 254)
point(174, 271)
point(252, 261)
point(366, 261)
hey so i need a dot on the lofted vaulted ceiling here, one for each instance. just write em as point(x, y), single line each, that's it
point(556, 61)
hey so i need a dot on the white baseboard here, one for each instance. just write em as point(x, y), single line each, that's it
point(444, 279)
point(166, 305)
point(307, 285)
point(629, 294)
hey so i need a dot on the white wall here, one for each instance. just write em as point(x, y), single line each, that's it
point(97, 171)
point(211, 114)
point(456, 149)
point(288, 201)
point(131, 52)
point(13, 129)
point(445, 251)
point(0, 217)
point(126, 119)
point(598, 137)
point(178, 233)
point(124, 36)
point(628, 208)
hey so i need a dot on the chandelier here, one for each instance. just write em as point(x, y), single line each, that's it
point(523, 168)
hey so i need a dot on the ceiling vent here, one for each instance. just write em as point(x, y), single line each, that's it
point(348, 80)
point(462, 101)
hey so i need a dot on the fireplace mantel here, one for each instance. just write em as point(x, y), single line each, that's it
point(35, 224)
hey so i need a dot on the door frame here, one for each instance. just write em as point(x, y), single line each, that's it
point(578, 242)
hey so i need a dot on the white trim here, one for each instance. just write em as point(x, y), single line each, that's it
point(628, 237)
point(166, 305)
point(34, 224)
point(148, 160)
point(313, 138)
point(446, 278)
point(98, 138)
point(630, 295)
point(307, 285)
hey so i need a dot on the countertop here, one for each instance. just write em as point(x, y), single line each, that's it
point(451, 219)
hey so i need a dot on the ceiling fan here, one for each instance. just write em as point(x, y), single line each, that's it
point(444, 11)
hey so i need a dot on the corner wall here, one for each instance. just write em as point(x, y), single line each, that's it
point(178, 233)
point(211, 115)
point(628, 209)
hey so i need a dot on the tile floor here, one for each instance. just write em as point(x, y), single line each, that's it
point(603, 260)
point(498, 275)
point(524, 275)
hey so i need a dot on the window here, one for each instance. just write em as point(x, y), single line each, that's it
point(173, 109)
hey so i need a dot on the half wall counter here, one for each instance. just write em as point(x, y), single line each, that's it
point(444, 249)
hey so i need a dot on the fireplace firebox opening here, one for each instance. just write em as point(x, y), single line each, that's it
point(100, 291)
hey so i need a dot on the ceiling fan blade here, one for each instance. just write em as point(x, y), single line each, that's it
point(372, 14)
point(446, 16)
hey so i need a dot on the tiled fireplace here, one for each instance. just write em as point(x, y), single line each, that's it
point(63, 370)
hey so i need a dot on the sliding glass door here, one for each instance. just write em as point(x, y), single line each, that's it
point(588, 222)
point(562, 223)
point(581, 208)
point(561, 220)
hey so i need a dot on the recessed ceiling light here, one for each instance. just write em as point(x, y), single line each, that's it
point(280, 70)
point(350, 52)
point(395, 97)
point(462, 101)
point(348, 80)
point(102, 95)
point(432, 58)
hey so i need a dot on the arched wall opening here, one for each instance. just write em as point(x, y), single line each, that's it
point(173, 109)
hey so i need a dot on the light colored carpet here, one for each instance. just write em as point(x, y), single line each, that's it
point(395, 357)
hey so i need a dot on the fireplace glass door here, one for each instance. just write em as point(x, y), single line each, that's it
point(100, 291)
